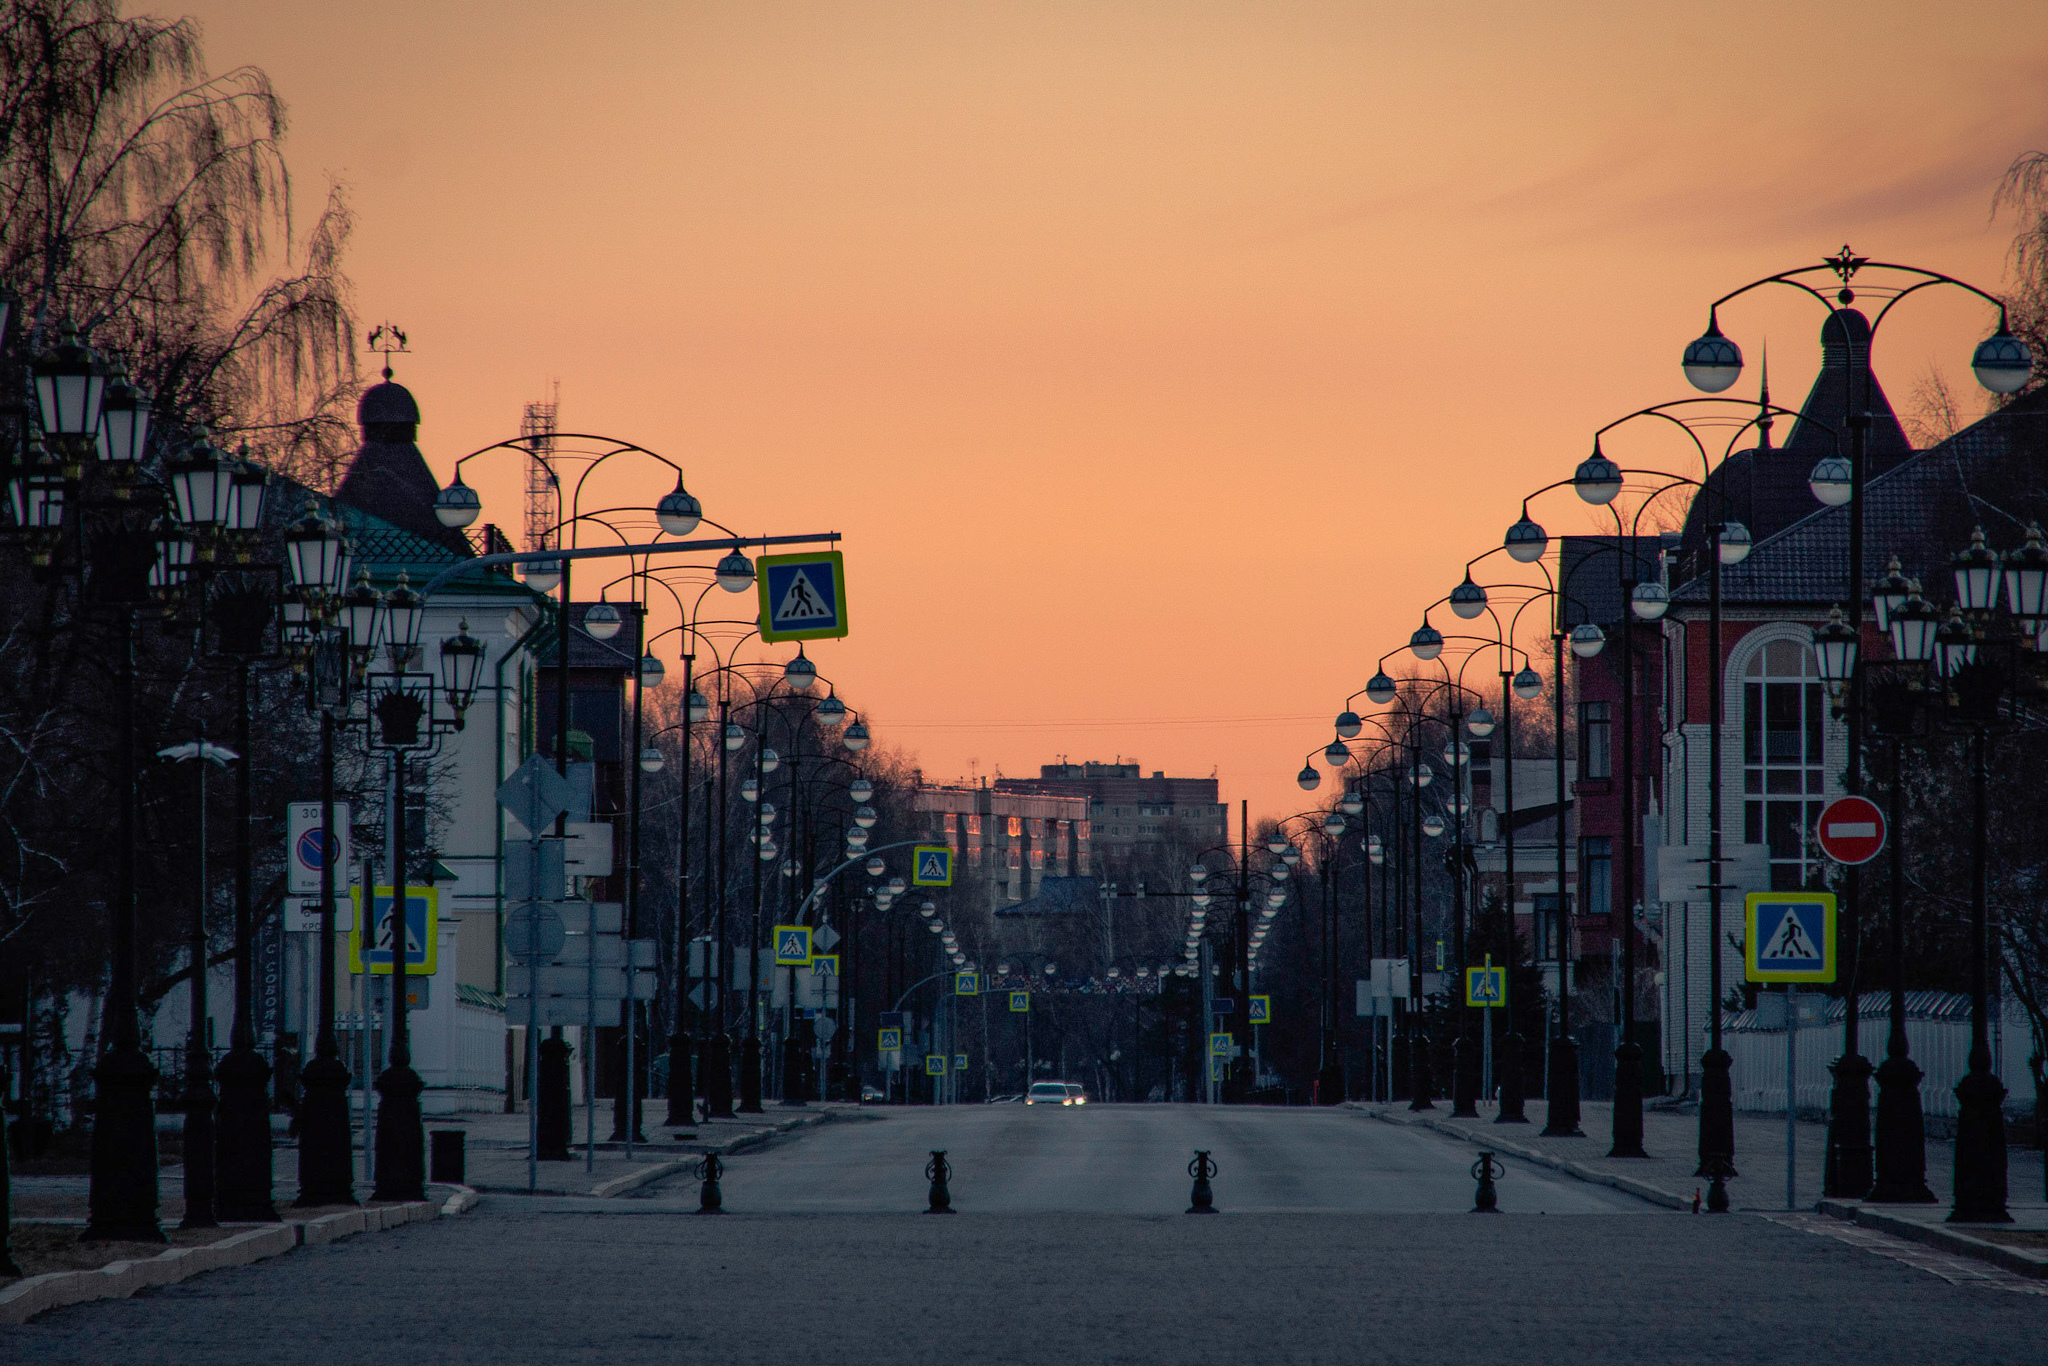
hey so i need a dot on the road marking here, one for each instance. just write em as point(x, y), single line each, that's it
point(1951, 1268)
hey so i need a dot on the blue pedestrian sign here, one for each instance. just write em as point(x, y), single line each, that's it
point(935, 1064)
point(1020, 1003)
point(931, 865)
point(422, 915)
point(1486, 987)
point(792, 946)
point(967, 984)
point(1789, 937)
point(1262, 1010)
point(888, 1040)
point(803, 597)
point(959, 1062)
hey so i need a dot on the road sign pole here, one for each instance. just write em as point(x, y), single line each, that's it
point(1791, 1096)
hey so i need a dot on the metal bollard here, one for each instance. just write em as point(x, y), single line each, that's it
point(1203, 1200)
point(938, 1171)
point(1486, 1201)
point(708, 1170)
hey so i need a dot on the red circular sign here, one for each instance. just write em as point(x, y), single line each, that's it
point(1851, 830)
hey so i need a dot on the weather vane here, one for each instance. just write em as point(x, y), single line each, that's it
point(1845, 263)
point(387, 339)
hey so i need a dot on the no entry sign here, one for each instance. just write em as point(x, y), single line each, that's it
point(1851, 830)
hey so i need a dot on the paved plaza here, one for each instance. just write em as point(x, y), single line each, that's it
point(1343, 1239)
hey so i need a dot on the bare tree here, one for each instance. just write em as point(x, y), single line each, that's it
point(2024, 190)
point(147, 201)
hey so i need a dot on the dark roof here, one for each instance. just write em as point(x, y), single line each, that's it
point(389, 478)
point(1921, 510)
point(389, 405)
point(585, 650)
point(1765, 487)
point(1590, 574)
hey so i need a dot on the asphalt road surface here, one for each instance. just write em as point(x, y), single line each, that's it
point(1343, 1240)
point(1129, 1159)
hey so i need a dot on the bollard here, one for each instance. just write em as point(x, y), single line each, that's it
point(938, 1171)
point(1486, 1201)
point(1203, 1200)
point(709, 1201)
point(446, 1157)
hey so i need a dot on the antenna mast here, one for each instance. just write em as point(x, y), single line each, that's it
point(537, 431)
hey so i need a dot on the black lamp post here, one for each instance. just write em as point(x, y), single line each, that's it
point(326, 643)
point(198, 1095)
point(1973, 666)
point(2002, 364)
point(118, 543)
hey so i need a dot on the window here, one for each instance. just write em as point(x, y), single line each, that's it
point(1596, 740)
point(1016, 827)
point(1038, 858)
point(974, 825)
point(950, 819)
point(1784, 778)
point(1596, 877)
point(1544, 907)
point(1016, 859)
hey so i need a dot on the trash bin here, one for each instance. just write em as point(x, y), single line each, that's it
point(447, 1157)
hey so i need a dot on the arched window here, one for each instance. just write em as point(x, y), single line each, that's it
point(1784, 776)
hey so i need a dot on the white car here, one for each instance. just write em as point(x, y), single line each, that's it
point(1055, 1093)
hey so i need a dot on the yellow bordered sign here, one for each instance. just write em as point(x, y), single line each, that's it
point(888, 1040)
point(793, 946)
point(967, 984)
point(935, 1064)
point(803, 596)
point(422, 919)
point(931, 865)
point(1789, 937)
point(1262, 1009)
point(1020, 1003)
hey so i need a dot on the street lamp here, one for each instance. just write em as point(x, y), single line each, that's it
point(2002, 364)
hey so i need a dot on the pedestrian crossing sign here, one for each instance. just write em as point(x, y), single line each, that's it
point(931, 865)
point(1020, 1003)
point(825, 965)
point(888, 1040)
point(935, 1064)
point(422, 912)
point(1262, 1010)
point(1220, 1045)
point(1789, 937)
point(1219, 1069)
point(803, 596)
point(792, 946)
point(959, 1062)
point(1487, 986)
point(967, 984)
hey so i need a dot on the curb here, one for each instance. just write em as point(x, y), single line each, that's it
point(2019, 1261)
point(1628, 1185)
point(25, 1299)
point(618, 1185)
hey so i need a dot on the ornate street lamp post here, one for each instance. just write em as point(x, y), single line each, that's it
point(2003, 365)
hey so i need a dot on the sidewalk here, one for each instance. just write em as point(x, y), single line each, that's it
point(1668, 1177)
point(496, 1147)
point(1672, 1141)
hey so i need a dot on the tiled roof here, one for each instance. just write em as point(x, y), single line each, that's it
point(1590, 577)
point(1764, 487)
point(1922, 510)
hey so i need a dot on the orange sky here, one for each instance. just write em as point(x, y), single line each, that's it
point(1158, 361)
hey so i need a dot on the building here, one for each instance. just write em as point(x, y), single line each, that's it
point(1006, 843)
point(1134, 820)
point(1783, 747)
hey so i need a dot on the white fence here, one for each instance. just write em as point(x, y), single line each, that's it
point(1937, 1032)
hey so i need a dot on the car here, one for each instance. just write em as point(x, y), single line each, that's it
point(1055, 1093)
point(869, 1095)
point(1078, 1093)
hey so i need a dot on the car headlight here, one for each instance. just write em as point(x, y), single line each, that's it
point(1066, 1102)
point(1029, 1102)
